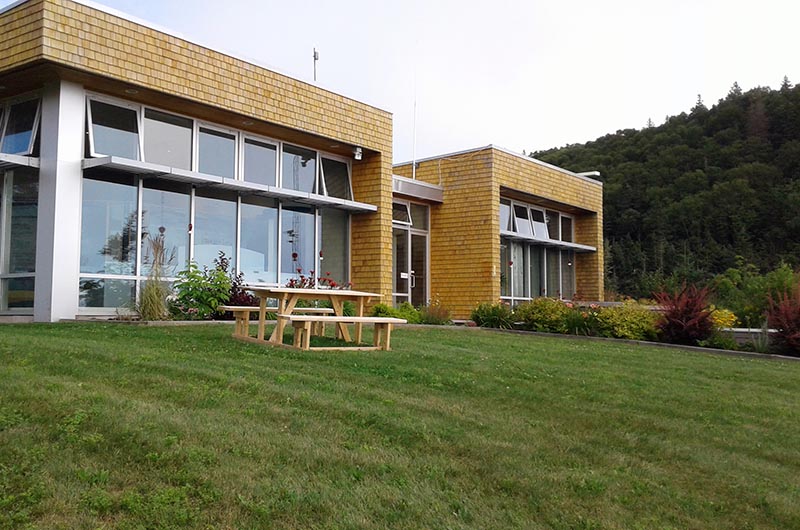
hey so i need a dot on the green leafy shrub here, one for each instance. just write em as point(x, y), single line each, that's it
point(543, 314)
point(686, 315)
point(404, 310)
point(628, 321)
point(198, 293)
point(746, 292)
point(434, 313)
point(488, 315)
point(720, 340)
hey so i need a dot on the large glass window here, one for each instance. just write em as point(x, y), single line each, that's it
point(518, 270)
point(20, 127)
point(108, 226)
point(216, 152)
point(522, 221)
point(553, 224)
point(19, 193)
point(553, 273)
point(505, 215)
point(107, 292)
point(165, 212)
point(167, 139)
point(333, 245)
point(260, 162)
point(24, 203)
point(115, 130)
point(505, 267)
point(337, 178)
point(18, 293)
point(297, 241)
point(214, 227)
point(258, 259)
point(567, 274)
point(566, 228)
point(535, 270)
point(419, 216)
point(539, 226)
point(299, 168)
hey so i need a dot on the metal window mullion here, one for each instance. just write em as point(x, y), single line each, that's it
point(237, 247)
point(5, 221)
point(279, 243)
point(191, 222)
point(139, 220)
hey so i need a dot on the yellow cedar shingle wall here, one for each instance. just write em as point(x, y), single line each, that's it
point(371, 234)
point(465, 243)
point(21, 30)
point(81, 37)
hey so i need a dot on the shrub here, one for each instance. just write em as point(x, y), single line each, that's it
point(783, 314)
point(720, 340)
point(198, 293)
point(488, 315)
point(686, 315)
point(434, 313)
point(629, 321)
point(404, 310)
point(746, 292)
point(543, 314)
point(153, 296)
point(722, 318)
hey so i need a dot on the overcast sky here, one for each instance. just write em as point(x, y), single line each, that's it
point(523, 75)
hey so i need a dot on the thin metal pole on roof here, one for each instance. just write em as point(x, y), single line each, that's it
point(316, 58)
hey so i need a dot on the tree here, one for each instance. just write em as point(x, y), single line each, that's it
point(786, 85)
point(735, 91)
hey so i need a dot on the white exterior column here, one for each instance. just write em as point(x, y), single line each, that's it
point(58, 231)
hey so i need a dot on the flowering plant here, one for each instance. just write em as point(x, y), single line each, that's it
point(310, 281)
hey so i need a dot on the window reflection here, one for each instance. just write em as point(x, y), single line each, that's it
point(260, 162)
point(108, 226)
point(333, 245)
point(216, 153)
point(299, 170)
point(214, 227)
point(297, 242)
point(165, 211)
point(259, 240)
point(19, 129)
point(167, 139)
point(115, 130)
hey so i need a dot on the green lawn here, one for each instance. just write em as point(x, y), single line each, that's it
point(115, 426)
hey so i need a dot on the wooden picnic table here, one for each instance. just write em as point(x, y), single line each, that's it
point(287, 300)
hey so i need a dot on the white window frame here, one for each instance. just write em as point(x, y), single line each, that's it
point(280, 167)
point(117, 103)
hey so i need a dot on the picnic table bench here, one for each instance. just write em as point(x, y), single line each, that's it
point(241, 314)
point(303, 327)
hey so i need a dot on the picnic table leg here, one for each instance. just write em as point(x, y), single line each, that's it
point(338, 310)
point(262, 316)
point(360, 313)
point(285, 307)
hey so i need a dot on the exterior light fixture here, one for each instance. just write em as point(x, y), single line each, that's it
point(357, 153)
point(247, 122)
point(131, 91)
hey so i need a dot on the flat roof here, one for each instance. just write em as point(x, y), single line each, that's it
point(179, 35)
point(506, 151)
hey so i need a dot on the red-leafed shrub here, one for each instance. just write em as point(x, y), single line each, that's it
point(783, 315)
point(686, 315)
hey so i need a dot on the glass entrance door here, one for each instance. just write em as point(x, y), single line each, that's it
point(410, 254)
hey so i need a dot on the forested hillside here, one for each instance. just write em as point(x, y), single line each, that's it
point(684, 199)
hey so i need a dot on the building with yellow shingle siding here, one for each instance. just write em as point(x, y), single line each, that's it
point(115, 134)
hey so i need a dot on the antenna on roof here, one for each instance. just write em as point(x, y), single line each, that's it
point(316, 58)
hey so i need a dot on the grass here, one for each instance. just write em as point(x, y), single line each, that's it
point(115, 426)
